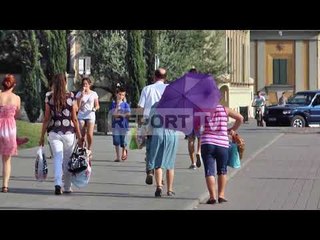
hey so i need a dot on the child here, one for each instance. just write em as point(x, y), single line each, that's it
point(120, 111)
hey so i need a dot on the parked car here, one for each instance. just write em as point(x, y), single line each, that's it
point(301, 110)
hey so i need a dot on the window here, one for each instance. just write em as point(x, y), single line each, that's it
point(280, 71)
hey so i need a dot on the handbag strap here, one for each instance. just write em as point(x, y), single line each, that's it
point(75, 149)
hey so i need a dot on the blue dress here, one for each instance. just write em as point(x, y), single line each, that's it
point(163, 146)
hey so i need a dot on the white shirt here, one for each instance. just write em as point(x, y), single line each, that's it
point(150, 95)
point(86, 105)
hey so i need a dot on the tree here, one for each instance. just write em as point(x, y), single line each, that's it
point(54, 51)
point(31, 73)
point(182, 49)
point(150, 51)
point(35, 51)
point(53, 48)
point(107, 49)
point(20, 54)
point(213, 56)
point(136, 66)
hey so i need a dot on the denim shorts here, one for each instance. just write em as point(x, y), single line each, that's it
point(213, 155)
point(119, 137)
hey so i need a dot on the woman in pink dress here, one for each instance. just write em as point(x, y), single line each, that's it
point(9, 110)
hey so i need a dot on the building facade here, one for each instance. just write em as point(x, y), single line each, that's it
point(284, 61)
point(236, 85)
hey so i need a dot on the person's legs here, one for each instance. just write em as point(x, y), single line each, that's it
point(222, 181)
point(191, 140)
point(69, 143)
point(83, 129)
point(6, 172)
point(199, 146)
point(116, 143)
point(123, 144)
point(90, 128)
point(158, 178)
point(117, 148)
point(170, 177)
point(198, 154)
point(56, 144)
point(207, 151)
point(222, 155)
point(149, 172)
point(211, 185)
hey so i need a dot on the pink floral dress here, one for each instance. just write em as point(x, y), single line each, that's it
point(8, 130)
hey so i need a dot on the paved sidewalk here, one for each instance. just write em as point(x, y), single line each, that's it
point(113, 185)
point(285, 175)
point(121, 186)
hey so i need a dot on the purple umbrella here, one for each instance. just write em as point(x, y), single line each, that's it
point(186, 98)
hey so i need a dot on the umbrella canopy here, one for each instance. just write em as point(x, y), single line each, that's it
point(186, 97)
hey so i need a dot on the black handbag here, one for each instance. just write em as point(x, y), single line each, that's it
point(78, 160)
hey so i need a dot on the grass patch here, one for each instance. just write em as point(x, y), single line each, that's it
point(30, 130)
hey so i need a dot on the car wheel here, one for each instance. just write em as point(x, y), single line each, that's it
point(298, 121)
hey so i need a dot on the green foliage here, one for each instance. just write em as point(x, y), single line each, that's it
point(55, 52)
point(214, 59)
point(115, 55)
point(136, 66)
point(9, 45)
point(31, 71)
point(150, 50)
point(107, 49)
point(20, 54)
point(182, 49)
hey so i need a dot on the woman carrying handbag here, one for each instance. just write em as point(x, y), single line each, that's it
point(61, 122)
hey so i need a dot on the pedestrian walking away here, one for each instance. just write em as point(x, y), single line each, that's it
point(192, 138)
point(61, 123)
point(162, 154)
point(214, 150)
point(150, 95)
point(9, 109)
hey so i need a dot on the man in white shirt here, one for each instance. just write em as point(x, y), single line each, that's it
point(150, 95)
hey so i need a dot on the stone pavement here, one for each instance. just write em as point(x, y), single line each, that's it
point(284, 175)
point(280, 170)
